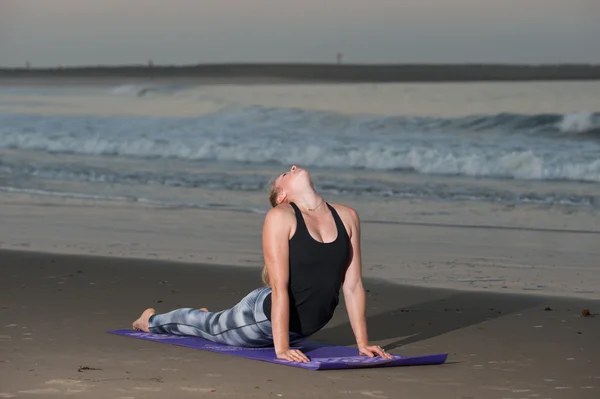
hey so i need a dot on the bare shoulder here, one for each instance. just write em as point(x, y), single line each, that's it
point(348, 215)
point(280, 214)
point(346, 211)
point(280, 221)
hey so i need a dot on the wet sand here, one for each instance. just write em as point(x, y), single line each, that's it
point(55, 310)
point(457, 245)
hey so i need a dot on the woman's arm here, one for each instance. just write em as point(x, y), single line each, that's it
point(354, 292)
point(276, 233)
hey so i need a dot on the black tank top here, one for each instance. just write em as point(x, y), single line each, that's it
point(315, 276)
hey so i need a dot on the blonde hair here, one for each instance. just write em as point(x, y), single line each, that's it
point(273, 194)
point(264, 275)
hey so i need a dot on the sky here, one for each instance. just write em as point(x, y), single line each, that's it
point(111, 32)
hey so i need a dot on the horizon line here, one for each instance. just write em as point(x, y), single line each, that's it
point(151, 64)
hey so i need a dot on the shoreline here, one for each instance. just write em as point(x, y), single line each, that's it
point(422, 251)
point(306, 73)
point(56, 310)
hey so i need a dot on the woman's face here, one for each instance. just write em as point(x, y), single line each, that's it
point(293, 181)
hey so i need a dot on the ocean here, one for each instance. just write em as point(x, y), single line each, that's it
point(507, 143)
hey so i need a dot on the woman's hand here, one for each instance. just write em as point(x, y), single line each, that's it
point(292, 355)
point(373, 350)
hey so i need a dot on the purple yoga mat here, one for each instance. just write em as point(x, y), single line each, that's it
point(322, 356)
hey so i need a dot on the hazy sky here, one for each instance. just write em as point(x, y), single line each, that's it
point(76, 32)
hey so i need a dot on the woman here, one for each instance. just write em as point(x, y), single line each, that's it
point(311, 250)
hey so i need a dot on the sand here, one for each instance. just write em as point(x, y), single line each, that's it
point(71, 269)
point(55, 310)
point(459, 245)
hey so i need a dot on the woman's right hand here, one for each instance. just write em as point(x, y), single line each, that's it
point(292, 355)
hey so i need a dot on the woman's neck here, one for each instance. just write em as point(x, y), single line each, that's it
point(309, 201)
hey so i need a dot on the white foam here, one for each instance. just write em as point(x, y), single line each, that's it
point(285, 136)
point(130, 90)
point(579, 122)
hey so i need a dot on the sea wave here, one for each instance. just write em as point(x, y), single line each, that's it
point(499, 146)
point(132, 90)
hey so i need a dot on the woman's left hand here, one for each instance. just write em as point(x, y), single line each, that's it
point(373, 350)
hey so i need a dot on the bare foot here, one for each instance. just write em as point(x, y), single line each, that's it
point(141, 324)
point(204, 309)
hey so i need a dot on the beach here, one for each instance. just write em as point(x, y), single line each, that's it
point(479, 210)
point(122, 258)
point(56, 310)
point(483, 247)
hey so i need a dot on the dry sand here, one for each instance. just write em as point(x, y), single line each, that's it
point(55, 310)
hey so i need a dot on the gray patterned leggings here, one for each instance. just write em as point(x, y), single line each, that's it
point(245, 324)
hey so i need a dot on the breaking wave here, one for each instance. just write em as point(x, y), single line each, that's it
point(544, 146)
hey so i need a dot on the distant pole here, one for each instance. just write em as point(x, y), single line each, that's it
point(150, 65)
point(27, 65)
point(339, 58)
